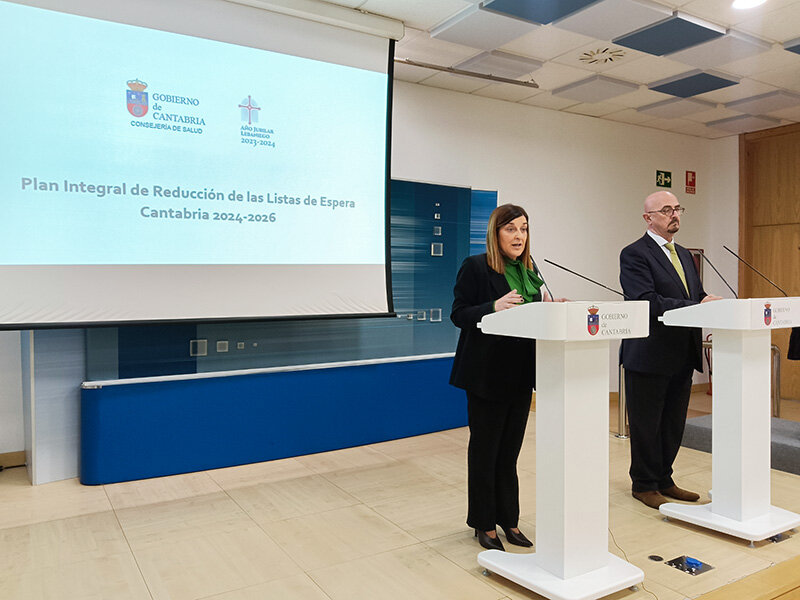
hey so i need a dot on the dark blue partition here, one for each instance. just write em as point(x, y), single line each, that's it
point(140, 430)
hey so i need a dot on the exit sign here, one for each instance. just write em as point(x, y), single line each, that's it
point(664, 179)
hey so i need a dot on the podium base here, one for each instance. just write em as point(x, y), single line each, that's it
point(775, 521)
point(524, 570)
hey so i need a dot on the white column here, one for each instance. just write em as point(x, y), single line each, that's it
point(572, 456)
point(741, 426)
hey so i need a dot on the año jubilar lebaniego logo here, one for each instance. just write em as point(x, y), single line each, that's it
point(137, 98)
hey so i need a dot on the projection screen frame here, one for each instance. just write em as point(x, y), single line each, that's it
point(258, 318)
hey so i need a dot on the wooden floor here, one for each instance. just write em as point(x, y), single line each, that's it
point(378, 522)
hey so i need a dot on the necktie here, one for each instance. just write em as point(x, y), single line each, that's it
point(676, 262)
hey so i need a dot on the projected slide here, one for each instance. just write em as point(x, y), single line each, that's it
point(177, 150)
point(130, 146)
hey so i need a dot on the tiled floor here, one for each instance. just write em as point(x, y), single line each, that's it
point(377, 522)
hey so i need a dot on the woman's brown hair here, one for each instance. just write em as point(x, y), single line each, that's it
point(500, 217)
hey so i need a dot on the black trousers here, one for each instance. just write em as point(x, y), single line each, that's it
point(657, 407)
point(496, 430)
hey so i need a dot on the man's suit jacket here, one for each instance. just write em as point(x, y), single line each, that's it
point(647, 274)
point(491, 366)
point(794, 344)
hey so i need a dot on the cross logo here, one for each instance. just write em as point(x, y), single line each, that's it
point(248, 106)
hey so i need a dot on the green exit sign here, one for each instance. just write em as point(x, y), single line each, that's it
point(664, 178)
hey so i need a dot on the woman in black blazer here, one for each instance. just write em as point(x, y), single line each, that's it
point(497, 372)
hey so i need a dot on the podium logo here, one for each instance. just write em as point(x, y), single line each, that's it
point(767, 313)
point(593, 320)
point(137, 98)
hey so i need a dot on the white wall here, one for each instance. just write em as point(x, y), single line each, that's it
point(12, 436)
point(582, 179)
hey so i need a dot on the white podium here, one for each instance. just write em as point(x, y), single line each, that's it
point(572, 561)
point(740, 449)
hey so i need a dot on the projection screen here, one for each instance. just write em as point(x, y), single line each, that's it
point(189, 160)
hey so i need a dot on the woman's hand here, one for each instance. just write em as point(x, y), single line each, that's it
point(546, 298)
point(510, 300)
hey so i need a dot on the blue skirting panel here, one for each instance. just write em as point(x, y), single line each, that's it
point(141, 430)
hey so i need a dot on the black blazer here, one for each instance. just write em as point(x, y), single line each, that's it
point(491, 366)
point(646, 273)
point(794, 344)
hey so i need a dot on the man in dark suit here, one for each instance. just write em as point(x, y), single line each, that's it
point(658, 368)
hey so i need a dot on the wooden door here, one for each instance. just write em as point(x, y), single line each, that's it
point(769, 232)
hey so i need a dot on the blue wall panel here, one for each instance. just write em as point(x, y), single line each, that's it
point(142, 430)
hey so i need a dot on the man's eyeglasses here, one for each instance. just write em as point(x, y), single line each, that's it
point(668, 211)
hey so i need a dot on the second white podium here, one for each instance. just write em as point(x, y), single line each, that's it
point(571, 561)
point(740, 442)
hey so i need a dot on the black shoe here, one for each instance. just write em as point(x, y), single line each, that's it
point(490, 543)
point(518, 539)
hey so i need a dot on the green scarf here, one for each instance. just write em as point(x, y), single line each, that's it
point(525, 281)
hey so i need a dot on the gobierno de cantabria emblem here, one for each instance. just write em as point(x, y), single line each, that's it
point(593, 320)
point(767, 313)
point(137, 98)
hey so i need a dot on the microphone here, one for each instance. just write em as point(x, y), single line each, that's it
point(584, 277)
point(735, 295)
point(772, 283)
point(539, 273)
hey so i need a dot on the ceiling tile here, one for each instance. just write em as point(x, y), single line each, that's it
point(593, 109)
point(675, 108)
point(722, 11)
point(547, 100)
point(671, 35)
point(778, 25)
point(598, 56)
point(480, 28)
point(669, 124)
point(744, 124)
point(715, 114)
point(507, 91)
point(765, 103)
point(775, 58)
point(790, 114)
point(546, 42)
point(610, 19)
point(647, 69)
point(552, 76)
point(743, 89)
point(640, 97)
point(540, 11)
point(692, 83)
point(420, 14)
point(698, 130)
point(628, 115)
point(596, 88)
point(412, 74)
point(426, 49)
point(728, 48)
point(788, 78)
point(500, 64)
point(455, 82)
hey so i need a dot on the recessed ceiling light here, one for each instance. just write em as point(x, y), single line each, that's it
point(742, 4)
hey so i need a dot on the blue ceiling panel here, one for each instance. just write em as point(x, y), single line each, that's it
point(536, 11)
point(691, 84)
point(669, 35)
point(792, 46)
